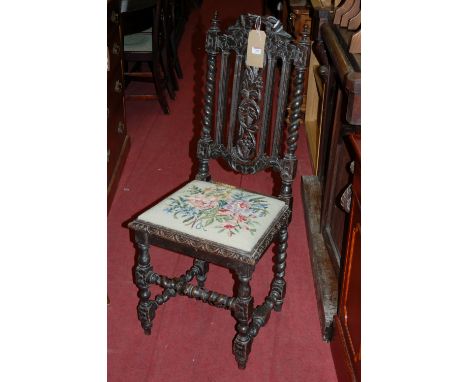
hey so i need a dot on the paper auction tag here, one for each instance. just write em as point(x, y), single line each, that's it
point(255, 48)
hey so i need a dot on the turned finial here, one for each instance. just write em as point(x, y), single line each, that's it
point(215, 21)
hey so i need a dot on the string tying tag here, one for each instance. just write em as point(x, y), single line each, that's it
point(258, 23)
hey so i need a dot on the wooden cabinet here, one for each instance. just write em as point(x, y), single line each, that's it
point(118, 142)
point(332, 214)
point(296, 14)
point(346, 342)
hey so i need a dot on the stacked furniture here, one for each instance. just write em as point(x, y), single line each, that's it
point(332, 195)
point(152, 30)
point(118, 141)
point(346, 342)
point(172, 15)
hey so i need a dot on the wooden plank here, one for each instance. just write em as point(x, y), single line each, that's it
point(355, 9)
point(312, 114)
point(343, 363)
point(312, 90)
point(355, 45)
point(318, 82)
point(311, 129)
point(345, 7)
point(325, 279)
point(355, 22)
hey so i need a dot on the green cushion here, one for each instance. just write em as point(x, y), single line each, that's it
point(139, 42)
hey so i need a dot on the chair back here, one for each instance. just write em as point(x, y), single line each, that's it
point(244, 115)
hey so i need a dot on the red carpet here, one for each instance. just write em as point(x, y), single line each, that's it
point(192, 341)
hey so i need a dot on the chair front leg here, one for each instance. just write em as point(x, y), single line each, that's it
point(146, 308)
point(243, 314)
point(278, 286)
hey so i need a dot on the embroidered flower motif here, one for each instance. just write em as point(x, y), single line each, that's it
point(202, 203)
point(233, 210)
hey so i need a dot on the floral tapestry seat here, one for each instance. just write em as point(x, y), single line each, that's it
point(222, 214)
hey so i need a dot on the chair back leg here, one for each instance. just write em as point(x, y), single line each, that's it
point(279, 283)
point(146, 308)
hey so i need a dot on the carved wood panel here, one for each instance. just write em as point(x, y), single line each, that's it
point(346, 344)
point(249, 113)
point(247, 125)
point(351, 307)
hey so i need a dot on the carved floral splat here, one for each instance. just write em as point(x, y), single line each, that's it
point(249, 112)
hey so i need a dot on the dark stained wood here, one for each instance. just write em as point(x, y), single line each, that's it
point(166, 47)
point(222, 90)
point(328, 225)
point(243, 313)
point(271, 62)
point(234, 99)
point(335, 227)
point(176, 14)
point(353, 87)
point(346, 344)
point(135, 5)
point(337, 54)
point(244, 155)
point(325, 277)
point(167, 22)
point(328, 77)
point(117, 171)
point(341, 359)
point(331, 245)
point(347, 67)
point(355, 141)
point(118, 142)
point(284, 84)
point(154, 57)
point(299, 18)
point(321, 13)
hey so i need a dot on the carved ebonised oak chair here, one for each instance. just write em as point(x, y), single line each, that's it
point(217, 223)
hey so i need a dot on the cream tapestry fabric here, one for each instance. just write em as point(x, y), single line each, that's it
point(216, 212)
